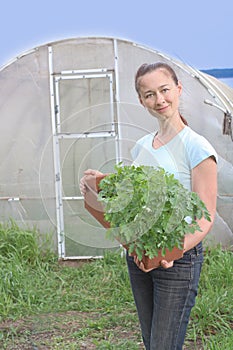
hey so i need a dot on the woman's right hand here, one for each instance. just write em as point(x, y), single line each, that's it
point(87, 174)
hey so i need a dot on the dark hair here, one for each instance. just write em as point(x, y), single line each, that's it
point(150, 67)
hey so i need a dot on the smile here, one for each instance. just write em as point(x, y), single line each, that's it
point(159, 110)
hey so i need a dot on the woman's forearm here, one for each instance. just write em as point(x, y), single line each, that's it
point(192, 239)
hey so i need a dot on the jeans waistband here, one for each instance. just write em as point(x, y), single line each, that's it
point(195, 250)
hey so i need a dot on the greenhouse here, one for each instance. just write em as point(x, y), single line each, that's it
point(71, 105)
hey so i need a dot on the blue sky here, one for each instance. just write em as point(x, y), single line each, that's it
point(198, 33)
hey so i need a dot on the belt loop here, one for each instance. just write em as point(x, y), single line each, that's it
point(196, 251)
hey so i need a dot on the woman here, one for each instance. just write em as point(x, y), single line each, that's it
point(165, 296)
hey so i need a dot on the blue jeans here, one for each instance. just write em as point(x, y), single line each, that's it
point(164, 299)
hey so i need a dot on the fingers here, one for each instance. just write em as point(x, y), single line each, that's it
point(82, 183)
point(141, 265)
point(82, 186)
point(165, 264)
point(92, 172)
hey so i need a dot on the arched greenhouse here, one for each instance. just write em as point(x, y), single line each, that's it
point(71, 105)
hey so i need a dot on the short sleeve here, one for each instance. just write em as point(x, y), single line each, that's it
point(199, 150)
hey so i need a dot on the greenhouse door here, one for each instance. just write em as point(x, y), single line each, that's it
point(85, 136)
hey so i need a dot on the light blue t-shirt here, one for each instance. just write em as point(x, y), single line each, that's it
point(179, 156)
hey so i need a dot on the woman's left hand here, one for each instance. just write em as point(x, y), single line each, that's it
point(166, 264)
point(163, 263)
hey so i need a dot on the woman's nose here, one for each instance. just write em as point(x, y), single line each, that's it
point(159, 98)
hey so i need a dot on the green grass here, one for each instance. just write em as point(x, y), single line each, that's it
point(46, 305)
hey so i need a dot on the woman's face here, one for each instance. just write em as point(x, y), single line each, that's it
point(159, 93)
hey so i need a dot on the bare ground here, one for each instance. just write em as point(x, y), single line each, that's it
point(43, 332)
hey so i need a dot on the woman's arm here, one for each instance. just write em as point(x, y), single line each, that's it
point(204, 183)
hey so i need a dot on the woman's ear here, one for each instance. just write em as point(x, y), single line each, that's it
point(141, 101)
point(179, 87)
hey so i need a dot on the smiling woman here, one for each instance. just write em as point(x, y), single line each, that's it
point(163, 316)
point(164, 294)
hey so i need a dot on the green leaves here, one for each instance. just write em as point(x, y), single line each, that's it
point(149, 209)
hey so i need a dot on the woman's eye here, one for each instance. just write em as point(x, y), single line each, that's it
point(149, 95)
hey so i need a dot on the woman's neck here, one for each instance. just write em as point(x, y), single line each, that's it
point(167, 131)
point(170, 128)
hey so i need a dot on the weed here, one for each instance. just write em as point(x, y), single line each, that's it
point(49, 306)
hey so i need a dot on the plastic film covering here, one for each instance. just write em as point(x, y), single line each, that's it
point(71, 105)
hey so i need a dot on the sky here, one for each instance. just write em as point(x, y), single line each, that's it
point(198, 33)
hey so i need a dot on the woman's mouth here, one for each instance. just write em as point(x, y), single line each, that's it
point(161, 110)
